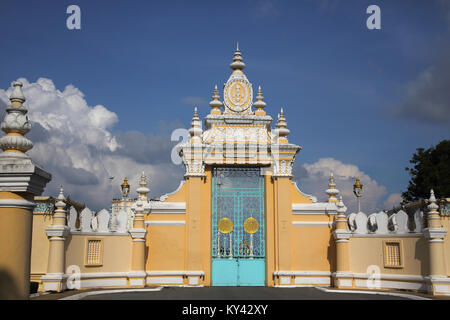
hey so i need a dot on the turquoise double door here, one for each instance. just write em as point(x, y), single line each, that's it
point(238, 231)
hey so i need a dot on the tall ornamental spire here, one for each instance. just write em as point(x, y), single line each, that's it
point(215, 103)
point(196, 128)
point(281, 129)
point(16, 125)
point(259, 104)
point(143, 190)
point(332, 191)
point(237, 63)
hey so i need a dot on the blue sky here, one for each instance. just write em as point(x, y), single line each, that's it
point(347, 91)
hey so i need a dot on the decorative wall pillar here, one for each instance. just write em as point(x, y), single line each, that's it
point(55, 278)
point(137, 275)
point(20, 181)
point(283, 224)
point(341, 234)
point(439, 284)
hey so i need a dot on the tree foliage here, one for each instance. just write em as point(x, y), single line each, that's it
point(430, 170)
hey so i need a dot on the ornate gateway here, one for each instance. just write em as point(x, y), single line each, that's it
point(238, 233)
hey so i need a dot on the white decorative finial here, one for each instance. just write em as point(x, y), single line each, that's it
point(143, 190)
point(259, 104)
point(237, 63)
point(17, 94)
point(196, 128)
point(215, 103)
point(432, 206)
point(60, 203)
point(332, 191)
point(341, 207)
point(16, 125)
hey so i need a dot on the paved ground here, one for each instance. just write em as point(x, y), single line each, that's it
point(240, 293)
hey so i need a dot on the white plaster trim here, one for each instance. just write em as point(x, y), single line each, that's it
point(435, 232)
point(383, 276)
point(57, 231)
point(54, 277)
point(302, 273)
point(312, 280)
point(318, 208)
point(95, 275)
point(165, 280)
point(112, 233)
point(17, 203)
point(137, 282)
point(137, 274)
point(285, 280)
point(159, 207)
point(345, 283)
point(387, 235)
point(103, 283)
point(175, 273)
point(92, 293)
point(138, 233)
point(387, 284)
point(165, 223)
point(312, 224)
point(21, 175)
point(402, 295)
point(438, 279)
point(442, 289)
point(51, 286)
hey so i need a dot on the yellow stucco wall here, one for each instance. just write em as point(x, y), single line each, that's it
point(369, 251)
point(165, 244)
point(313, 248)
point(40, 245)
point(297, 197)
point(116, 253)
point(179, 196)
point(446, 225)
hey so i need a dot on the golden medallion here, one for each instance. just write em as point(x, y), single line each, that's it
point(251, 225)
point(225, 225)
point(238, 95)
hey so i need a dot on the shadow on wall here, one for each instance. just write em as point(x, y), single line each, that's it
point(331, 253)
point(8, 287)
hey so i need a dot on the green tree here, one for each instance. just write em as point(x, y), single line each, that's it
point(430, 170)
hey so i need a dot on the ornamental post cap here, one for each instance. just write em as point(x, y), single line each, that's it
point(61, 193)
point(125, 184)
point(432, 206)
point(60, 203)
point(341, 207)
point(237, 63)
point(357, 184)
point(17, 94)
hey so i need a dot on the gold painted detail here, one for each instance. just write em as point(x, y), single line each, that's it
point(251, 225)
point(225, 225)
point(238, 95)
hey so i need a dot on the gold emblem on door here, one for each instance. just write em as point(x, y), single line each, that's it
point(225, 225)
point(251, 225)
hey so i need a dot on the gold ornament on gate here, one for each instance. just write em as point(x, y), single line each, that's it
point(225, 225)
point(251, 225)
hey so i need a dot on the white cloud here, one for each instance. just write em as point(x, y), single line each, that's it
point(74, 142)
point(315, 182)
point(393, 200)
